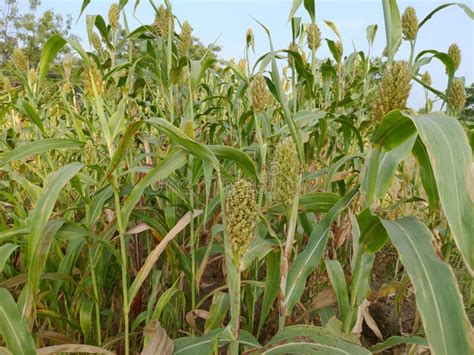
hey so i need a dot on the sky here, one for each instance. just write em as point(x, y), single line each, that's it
point(228, 20)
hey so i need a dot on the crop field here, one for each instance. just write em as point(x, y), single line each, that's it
point(156, 198)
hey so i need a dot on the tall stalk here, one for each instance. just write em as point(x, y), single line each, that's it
point(286, 256)
point(233, 277)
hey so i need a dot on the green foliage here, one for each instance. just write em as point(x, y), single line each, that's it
point(165, 200)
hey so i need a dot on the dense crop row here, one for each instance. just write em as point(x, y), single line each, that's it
point(159, 203)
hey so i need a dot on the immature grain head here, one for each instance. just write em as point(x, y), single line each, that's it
point(241, 214)
point(186, 38)
point(164, 21)
point(260, 93)
point(426, 78)
point(96, 42)
point(456, 96)
point(393, 91)
point(455, 53)
point(114, 15)
point(339, 51)
point(250, 39)
point(314, 36)
point(286, 169)
point(409, 24)
point(6, 84)
point(188, 129)
point(93, 75)
point(67, 65)
point(19, 59)
point(242, 65)
point(32, 75)
point(89, 153)
point(294, 48)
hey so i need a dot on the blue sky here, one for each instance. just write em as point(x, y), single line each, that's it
point(228, 20)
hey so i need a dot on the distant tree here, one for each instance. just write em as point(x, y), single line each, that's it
point(468, 113)
point(25, 30)
point(198, 49)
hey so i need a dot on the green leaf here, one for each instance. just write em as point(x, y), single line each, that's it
point(281, 97)
point(315, 202)
point(333, 27)
point(94, 209)
point(338, 282)
point(13, 327)
point(152, 258)
point(40, 239)
point(5, 251)
point(50, 49)
point(437, 294)
point(217, 311)
point(271, 287)
point(380, 170)
point(294, 7)
point(257, 249)
point(85, 317)
point(451, 157)
point(394, 129)
point(426, 173)
point(32, 114)
point(443, 58)
point(37, 147)
point(197, 345)
point(307, 339)
point(305, 263)
point(372, 233)
point(242, 159)
point(172, 162)
point(309, 6)
point(127, 137)
point(83, 7)
point(393, 26)
point(371, 32)
point(398, 340)
point(175, 134)
point(466, 9)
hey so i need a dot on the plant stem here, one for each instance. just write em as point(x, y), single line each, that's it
point(286, 255)
point(96, 295)
point(123, 255)
point(233, 278)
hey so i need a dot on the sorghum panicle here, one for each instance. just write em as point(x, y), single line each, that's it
point(163, 21)
point(19, 59)
point(32, 75)
point(186, 38)
point(241, 214)
point(286, 168)
point(89, 153)
point(114, 15)
point(426, 78)
point(455, 53)
point(393, 91)
point(6, 84)
point(340, 50)
point(67, 65)
point(294, 48)
point(409, 24)
point(260, 93)
point(456, 96)
point(93, 73)
point(96, 43)
point(314, 36)
point(242, 64)
point(188, 129)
